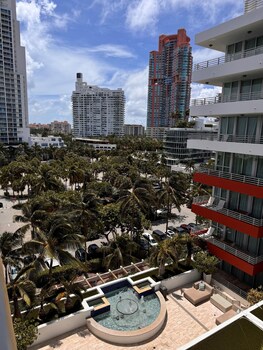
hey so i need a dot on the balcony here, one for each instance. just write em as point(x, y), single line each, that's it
point(228, 58)
point(223, 99)
point(232, 249)
point(238, 221)
point(227, 138)
point(242, 260)
point(252, 186)
point(231, 176)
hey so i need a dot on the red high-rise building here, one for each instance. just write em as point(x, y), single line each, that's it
point(170, 70)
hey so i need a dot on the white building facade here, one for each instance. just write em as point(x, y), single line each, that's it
point(44, 142)
point(13, 81)
point(97, 111)
point(236, 206)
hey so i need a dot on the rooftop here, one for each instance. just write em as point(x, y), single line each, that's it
point(184, 323)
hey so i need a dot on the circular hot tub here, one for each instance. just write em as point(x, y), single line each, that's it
point(130, 319)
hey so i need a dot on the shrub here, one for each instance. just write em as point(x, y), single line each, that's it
point(25, 333)
point(205, 263)
point(255, 295)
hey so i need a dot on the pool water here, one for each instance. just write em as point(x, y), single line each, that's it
point(127, 311)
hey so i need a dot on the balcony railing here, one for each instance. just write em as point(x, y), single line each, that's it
point(231, 176)
point(227, 138)
point(228, 58)
point(236, 252)
point(223, 99)
point(251, 5)
point(203, 201)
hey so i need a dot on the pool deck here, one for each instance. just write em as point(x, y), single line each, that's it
point(184, 323)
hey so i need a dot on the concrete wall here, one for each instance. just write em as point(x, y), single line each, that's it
point(180, 280)
point(60, 326)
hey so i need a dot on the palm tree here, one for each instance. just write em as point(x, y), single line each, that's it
point(9, 243)
point(21, 287)
point(47, 180)
point(32, 216)
point(119, 252)
point(85, 215)
point(71, 287)
point(172, 193)
point(53, 244)
point(141, 196)
point(166, 252)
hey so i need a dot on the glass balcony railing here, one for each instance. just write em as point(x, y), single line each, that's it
point(231, 176)
point(227, 138)
point(228, 58)
point(204, 202)
point(245, 96)
point(232, 249)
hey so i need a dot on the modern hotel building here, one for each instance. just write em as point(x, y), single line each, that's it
point(236, 205)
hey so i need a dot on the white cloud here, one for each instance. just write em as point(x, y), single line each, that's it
point(203, 91)
point(108, 7)
point(201, 55)
point(143, 14)
point(58, 107)
point(136, 90)
point(112, 51)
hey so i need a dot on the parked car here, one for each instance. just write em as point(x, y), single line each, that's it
point(93, 249)
point(1, 205)
point(144, 244)
point(161, 212)
point(193, 226)
point(160, 235)
point(180, 230)
point(149, 238)
point(186, 227)
point(81, 254)
point(170, 233)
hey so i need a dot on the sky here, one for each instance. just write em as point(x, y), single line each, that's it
point(109, 42)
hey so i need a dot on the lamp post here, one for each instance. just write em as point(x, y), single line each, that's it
point(7, 335)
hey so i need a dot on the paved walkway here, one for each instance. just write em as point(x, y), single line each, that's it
point(184, 323)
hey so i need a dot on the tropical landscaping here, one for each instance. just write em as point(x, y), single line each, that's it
point(71, 196)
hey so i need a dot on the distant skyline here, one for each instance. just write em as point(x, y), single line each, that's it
point(109, 42)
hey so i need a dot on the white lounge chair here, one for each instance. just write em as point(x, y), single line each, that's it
point(220, 205)
point(209, 203)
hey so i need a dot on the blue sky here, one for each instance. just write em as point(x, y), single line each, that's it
point(109, 42)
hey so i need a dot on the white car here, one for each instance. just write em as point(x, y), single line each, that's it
point(149, 238)
point(170, 233)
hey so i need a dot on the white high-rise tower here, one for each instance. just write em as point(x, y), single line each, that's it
point(13, 82)
point(97, 111)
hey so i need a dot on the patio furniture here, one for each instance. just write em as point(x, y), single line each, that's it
point(226, 316)
point(198, 294)
point(220, 302)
